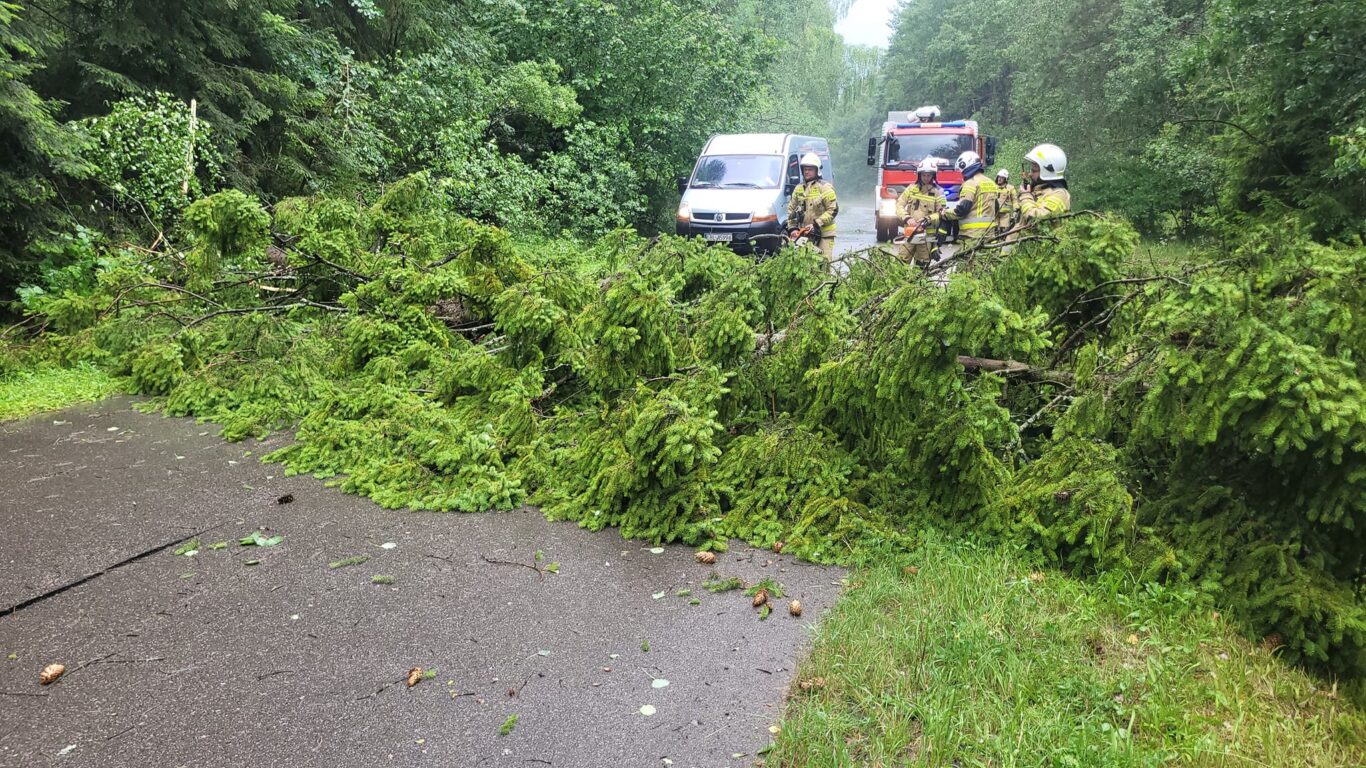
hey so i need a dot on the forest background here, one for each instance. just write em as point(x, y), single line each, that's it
point(577, 116)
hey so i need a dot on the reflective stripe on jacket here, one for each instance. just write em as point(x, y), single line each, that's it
point(1044, 202)
point(1006, 202)
point(920, 205)
point(813, 204)
point(976, 207)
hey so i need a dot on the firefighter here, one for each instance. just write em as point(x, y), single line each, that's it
point(919, 207)
point(1007, 201)
point(1044, 192)
point(975, 210)
point(812, 208)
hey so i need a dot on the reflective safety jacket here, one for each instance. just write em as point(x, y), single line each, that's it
point(976, 207)
point(1007, 200)
point(813, 204)
point(919, 205)
point(1045, 200)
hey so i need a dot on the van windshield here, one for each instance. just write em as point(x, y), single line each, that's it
point(738, 172)
point(908, 151)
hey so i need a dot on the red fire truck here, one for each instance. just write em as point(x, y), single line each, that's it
point(909, 137)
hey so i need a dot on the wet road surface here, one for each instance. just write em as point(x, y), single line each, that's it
point(267, 656)
point(857, 229)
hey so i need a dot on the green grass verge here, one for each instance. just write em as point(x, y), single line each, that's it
point(33, 391)
point(970, 661)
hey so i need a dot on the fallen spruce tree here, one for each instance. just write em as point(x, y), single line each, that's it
point(1203, 421)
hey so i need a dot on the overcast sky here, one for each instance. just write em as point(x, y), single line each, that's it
point(867, 22)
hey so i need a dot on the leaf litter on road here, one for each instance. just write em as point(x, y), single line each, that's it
point(259, 539)
point(345, 561)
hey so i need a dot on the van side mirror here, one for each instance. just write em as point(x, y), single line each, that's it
point(872, 151)
point(682, 184)
point(991, 150)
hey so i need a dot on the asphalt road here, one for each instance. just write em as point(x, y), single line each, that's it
point(857, 229)
point(858, 232)
point(252, 656)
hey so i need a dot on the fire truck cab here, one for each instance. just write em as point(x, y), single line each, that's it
point(909, 137)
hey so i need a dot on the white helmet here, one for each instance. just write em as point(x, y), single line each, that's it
point(1003, 174)
point(1050, 158)
point(969, 163)
point(928, 165)
point(811, 159)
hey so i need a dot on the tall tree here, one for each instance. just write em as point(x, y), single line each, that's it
point(36, 152)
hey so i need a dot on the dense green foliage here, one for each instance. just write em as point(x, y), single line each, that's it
point(34, 149)
point(1206, 425)
point(539, 116)
point(281, 214)
point(1168, 110)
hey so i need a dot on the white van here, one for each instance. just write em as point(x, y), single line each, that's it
point(737, 193)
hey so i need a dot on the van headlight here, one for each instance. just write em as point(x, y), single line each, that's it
point(886, 208)
point(684, 212)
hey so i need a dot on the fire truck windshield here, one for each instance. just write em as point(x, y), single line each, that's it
point(907, 151)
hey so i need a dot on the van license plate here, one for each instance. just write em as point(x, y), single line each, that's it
point(717, 237)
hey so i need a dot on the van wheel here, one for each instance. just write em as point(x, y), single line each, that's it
point(884, 233)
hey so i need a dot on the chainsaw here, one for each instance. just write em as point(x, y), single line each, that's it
point(800, 237)
point(912, 231)
point(915, 234)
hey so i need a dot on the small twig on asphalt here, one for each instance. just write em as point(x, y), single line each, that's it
point(514, 692)
point(120, 733)
point(81, 666)
point(384, 687)
point(539, 572)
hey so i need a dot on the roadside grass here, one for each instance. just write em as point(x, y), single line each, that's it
point(975, 659)
point(26, 392)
